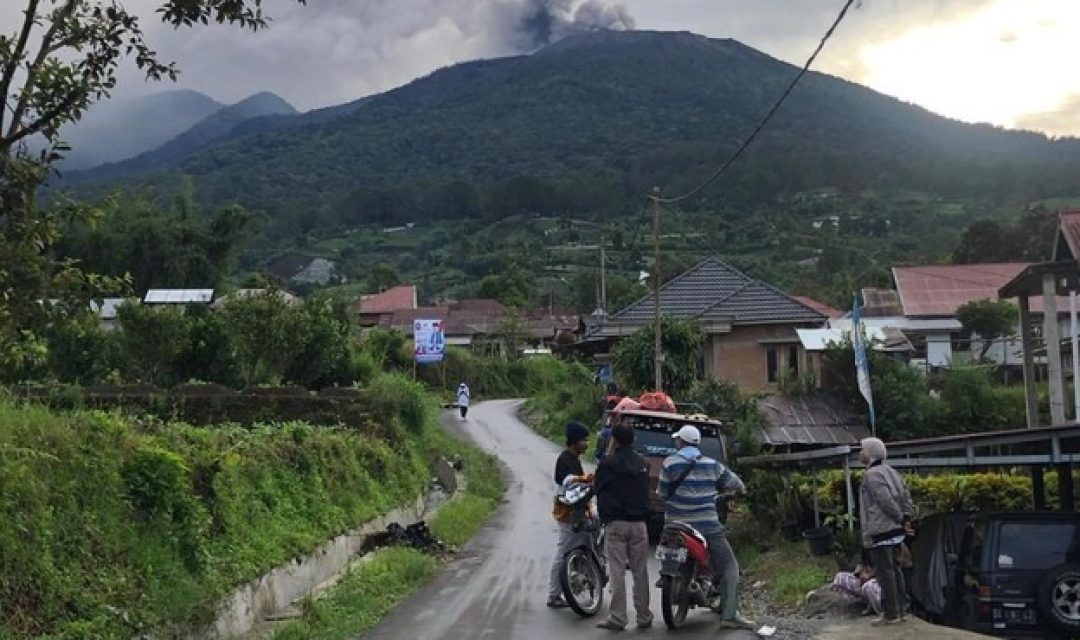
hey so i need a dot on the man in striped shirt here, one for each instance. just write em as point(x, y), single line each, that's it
point(689, 484)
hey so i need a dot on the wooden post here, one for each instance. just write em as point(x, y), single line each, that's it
point(1027, 345)
point(850, 494)
point(1052, 333)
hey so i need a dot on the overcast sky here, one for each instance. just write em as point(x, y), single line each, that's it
point(1008, 62)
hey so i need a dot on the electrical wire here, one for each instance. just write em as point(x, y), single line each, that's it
point(768, 116)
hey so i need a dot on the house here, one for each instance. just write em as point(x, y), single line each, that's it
point(299, 269)
point(371, 307)
point(181, 297)
point(924, 307)
point(107, 311)
point(750, 326)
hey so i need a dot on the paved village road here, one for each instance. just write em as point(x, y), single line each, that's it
point(497, 586)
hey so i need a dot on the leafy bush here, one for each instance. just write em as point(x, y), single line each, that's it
point(681, 342)
point(108, 529)
point(397, 399)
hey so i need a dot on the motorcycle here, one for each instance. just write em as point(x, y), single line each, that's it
point(686, 581)
point(583, 574)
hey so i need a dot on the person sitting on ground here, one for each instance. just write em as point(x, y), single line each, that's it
point(860, 586)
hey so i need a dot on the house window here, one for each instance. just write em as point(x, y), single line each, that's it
point(793, 361)
point(772, 363)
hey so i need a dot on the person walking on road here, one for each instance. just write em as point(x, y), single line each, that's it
point(567, 464)
point(622, 496)
point(885, 513)
point(689, 484)
point(463, 397)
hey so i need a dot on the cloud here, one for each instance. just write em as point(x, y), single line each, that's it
point(1063, 121)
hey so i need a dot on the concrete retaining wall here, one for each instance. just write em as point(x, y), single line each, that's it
point(276, 590)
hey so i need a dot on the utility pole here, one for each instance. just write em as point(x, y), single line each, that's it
point(658, 352)
point(603, 278)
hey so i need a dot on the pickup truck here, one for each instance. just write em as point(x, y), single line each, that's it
point(1000, 573)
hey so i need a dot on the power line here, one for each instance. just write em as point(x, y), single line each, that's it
point(768, 116)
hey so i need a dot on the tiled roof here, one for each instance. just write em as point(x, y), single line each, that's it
point(939, 290)
point(713, 290)
point(820, 307)
point(398, 298)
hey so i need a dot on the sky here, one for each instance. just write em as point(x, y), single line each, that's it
point(1000, 61)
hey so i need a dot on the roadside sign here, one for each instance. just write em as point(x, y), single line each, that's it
point(429, 341)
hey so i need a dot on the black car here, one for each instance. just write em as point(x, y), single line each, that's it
point(999, 573)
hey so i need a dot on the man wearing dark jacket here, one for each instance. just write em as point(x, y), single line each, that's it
point(622, 494)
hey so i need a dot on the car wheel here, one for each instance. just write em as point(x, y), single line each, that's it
point(1058, 597)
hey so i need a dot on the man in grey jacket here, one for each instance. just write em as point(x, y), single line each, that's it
point(885, 513)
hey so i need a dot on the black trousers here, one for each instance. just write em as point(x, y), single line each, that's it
point(886, 562)
point(464, 410)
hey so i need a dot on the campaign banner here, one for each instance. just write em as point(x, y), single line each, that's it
point(429, 341)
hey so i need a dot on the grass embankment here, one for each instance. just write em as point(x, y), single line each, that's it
point(787, 569)
point(559, 392)
point(390, 575)
point(111, 527)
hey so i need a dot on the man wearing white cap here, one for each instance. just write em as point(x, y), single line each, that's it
point(689, 484)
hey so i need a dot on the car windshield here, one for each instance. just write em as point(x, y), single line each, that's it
point(1016, 550)
point(660, 443)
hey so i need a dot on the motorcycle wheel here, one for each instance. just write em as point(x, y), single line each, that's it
point(582, 582)
point(674, 600)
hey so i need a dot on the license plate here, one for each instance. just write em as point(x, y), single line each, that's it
point(671, 555)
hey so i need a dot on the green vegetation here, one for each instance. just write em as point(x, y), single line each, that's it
point(681, 342)
point(912, 404)
point(179, 515)
point(787, 569)
point(559, 393)
point(363, 597)
point(990, 320)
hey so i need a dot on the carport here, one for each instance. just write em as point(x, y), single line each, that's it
point(1056, 447)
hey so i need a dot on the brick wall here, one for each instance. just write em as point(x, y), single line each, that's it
point(741, 357)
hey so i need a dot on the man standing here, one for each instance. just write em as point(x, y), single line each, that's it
point(622, 495)
point(885, 512)
point(689, 484)
point(567, 464)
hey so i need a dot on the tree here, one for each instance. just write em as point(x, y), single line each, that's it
point(681, 342)
point(325, 357)
point(989, 319)
point(62, 58)
point(381, 278)
point(268, 335)
point(151, 342)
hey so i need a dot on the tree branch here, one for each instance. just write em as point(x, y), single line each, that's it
point(58, 110)
point(16, 54)
point(33, 68)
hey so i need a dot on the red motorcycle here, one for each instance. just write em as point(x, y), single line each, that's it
point(686, 581)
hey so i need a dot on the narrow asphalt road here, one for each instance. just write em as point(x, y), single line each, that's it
point(498, 585)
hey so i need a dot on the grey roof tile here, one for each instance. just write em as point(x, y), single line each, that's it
point(713, 290)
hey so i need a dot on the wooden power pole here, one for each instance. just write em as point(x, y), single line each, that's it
point(658, 352)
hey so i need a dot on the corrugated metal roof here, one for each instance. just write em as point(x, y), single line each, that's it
point(940, 290)
point(1069, 232)
point(808, 420)
point(713, 290)
point(880, 303)
point(179, 296)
